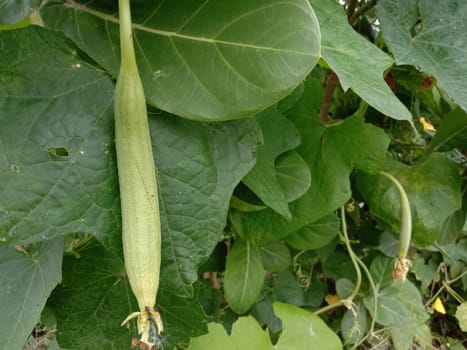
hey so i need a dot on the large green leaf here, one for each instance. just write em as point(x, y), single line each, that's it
point(95, 297)
point(57, 166)
point(246, 334)
point(198, 165)
point(244, 276)
point(433, 188)
point(217, 335)
point(279, 135)
point(203, 60)
point(303, 330)
point(415, 328)
point(358, 63)
point(28, 276)
point(431, 35)
point(400, 306)
point(331, 152)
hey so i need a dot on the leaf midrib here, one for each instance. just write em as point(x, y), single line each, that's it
point(110, 18)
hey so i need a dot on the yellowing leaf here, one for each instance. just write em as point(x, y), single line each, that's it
point(332, 298)
point(427, 126)
point(438, 306)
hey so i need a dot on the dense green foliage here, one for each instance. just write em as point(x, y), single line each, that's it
point(271, 122)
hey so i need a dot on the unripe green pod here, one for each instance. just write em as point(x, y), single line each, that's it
point(141, 232)
point(402, 263)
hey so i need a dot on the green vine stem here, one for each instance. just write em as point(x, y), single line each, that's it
point(348, 302)
point(375, 303)
point(402, 263)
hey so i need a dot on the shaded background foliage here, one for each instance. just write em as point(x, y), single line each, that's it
point(250, 203)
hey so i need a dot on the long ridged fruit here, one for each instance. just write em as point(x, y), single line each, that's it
point(141, 232)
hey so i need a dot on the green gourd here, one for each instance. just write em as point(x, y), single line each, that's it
point(141, 231)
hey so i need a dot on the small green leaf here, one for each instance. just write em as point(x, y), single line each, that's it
point(303, 330)
point(244, 276)
point(279, 135)
point(424, 271)
point(29, 274)
point(461, 315)
point(452, 132)
point(344, 287)
point(262, 310)
point(348, 54)
point(431, 35)
point(275, 256)
point(315, 235)
point(202, 60)
point(381, 270)
point(433, 188)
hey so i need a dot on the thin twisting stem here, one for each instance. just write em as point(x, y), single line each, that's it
point(348, 301)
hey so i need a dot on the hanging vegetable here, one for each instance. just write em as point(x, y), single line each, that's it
point(141, 232)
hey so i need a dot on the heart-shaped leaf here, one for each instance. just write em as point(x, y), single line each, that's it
point(304, 330)
point(301, 330)
point(205, 60)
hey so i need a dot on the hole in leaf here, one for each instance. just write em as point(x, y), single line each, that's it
point(58, 151)
point(416, 28)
